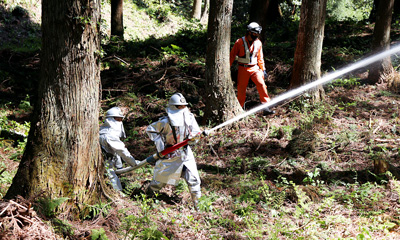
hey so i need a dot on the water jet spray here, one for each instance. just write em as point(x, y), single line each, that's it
point(278, 99)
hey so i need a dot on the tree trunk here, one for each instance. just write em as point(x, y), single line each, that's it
point(221, 101)
point(274, 12)
point(204, 15)
point(372, 14)
point(396, 10)
point(117, 24)
point(307, 57)
point(62, 156)
point(258, 14)
point(382, 70)
point(196, 9)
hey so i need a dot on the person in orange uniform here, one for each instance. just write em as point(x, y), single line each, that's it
point(249, 54)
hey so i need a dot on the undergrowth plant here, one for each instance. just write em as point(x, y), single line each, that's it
point(49, 207)
point(96, 210)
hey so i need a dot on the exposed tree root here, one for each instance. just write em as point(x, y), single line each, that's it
point(19, 221)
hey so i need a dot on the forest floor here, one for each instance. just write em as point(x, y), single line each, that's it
point(306, 172)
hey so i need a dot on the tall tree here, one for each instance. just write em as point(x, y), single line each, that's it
point(117, 24)
point(204, 14)
point(307, 57)
point(258, 14)
point(396, 10)
point(221, 101)
point(196, 9)
point(380, 71)
point(62, 157)
point(372, 14)
point(274, 12)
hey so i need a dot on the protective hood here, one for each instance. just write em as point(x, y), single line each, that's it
point(113, 127)
point(177, 116)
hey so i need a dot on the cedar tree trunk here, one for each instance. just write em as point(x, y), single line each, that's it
point(221, 101)
point(307, 57)
point(383, 69)
point(62, 157)
point(196, 9)
point(117, 25)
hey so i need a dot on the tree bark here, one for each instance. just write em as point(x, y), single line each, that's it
point(62, 156)
point(383, 69)
point(396, 10)
point(196, 9)
point(372, 14)
point(258, 14)
point(117, 24)
point(307, 57)
point(221, 101)
point(274, 12)
point(204, 15)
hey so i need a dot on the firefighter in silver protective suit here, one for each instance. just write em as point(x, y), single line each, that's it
point(179, 125)
point(111, 132)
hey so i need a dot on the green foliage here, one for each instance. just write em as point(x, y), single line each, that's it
point(93, 211)
point(137, 225)
point(162, 10)
point(6, 178)
point(49, 207)
point(151, 234)
point(312, 178)
point(342, 10)
point(62, 227)
point(174, 50)
point(12, 125)
point(205, 203)
point(313, 113)
point(99, 234)
point(348, 83)
point(365, 197)
point(146, 205)
point(181, 187)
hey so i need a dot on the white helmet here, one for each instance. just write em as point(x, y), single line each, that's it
point(114, 112)
point(254, 27)
point(177, 100)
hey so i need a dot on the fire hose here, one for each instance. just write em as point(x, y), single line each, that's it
point(290, 94)
point(153, 158)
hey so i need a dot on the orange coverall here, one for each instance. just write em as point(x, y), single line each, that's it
point(252, 71)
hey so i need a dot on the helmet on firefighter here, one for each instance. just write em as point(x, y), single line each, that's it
point(254, 27)
point(114, 112)
point(177, 100)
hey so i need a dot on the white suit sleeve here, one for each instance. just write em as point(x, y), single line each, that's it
point(155, 132)
point(119, 148)
point(194, 127)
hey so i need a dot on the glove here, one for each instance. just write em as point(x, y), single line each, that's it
point(193, 139)
point(265, 75)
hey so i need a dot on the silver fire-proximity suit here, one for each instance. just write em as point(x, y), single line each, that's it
point(111, 132)
point(179, 125)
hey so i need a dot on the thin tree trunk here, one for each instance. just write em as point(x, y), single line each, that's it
point(221, 101)
point(372, 14)
point(204, 15)
point(62, 157)
point(307, 57)
point(258, 14)
point(382, 70)
point(396, 10)
point(274, 12)
point(196, 9)
point(117, 24)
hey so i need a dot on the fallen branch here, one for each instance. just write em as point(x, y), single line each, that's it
point(265, 136)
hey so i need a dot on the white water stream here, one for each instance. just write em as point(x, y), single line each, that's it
point(325, 79)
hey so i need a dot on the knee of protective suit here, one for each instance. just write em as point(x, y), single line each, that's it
point(115, 182)
point(156, 186)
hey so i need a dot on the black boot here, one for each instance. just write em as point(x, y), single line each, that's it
point(268, 111)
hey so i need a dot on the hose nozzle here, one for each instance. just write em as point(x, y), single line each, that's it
point(205, 133)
